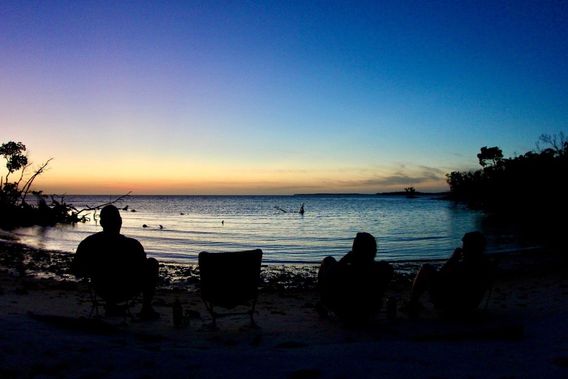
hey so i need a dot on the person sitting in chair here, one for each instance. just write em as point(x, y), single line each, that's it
point(117, 265)
point(459, 285)
point(353, 288)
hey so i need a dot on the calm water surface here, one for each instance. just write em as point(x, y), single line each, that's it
point(420, 228)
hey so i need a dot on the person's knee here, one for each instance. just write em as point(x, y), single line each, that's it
point(426, 271)
point(328, 261)
point(152, 263)
point(152, 267)
point(427, 267)
point(325, 266)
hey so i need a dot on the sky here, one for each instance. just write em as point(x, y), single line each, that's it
point(270, 97)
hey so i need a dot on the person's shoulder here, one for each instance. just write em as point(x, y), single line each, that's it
point(132, 242)
point(92, 239)
point(130, 239)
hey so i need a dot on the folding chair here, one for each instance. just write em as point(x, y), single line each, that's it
point(229, 280)
point(123, 306)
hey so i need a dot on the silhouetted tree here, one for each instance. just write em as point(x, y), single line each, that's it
point(16, 211)
point(529, 188)
point(410, 192)
point(492, 155)
point(13, 194)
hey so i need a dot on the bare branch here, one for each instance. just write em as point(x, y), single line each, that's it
point(22, 175)
point(97, 207)
point(30, 181)
point(555, 141)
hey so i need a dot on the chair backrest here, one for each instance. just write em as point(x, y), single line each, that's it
point(229, 279)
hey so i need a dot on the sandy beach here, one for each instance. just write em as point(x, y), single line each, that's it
point(519, 332)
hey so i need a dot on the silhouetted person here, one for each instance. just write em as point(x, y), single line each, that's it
point(353, 288)
point(302, 209)
point(460, 284)
point(117, 265)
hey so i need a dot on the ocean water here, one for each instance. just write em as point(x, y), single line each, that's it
point(406, 229)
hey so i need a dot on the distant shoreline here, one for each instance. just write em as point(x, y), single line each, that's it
point(318, 194)
point(395, 193)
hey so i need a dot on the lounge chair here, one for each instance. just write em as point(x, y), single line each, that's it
point(229, 280)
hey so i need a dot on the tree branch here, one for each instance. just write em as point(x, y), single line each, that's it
point(97, 207)
point(30, 181)
point(22, 175)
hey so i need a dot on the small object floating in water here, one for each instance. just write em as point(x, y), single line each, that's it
point(161, 227)
point(181, 213)
point(144, 226)
point(133, 210)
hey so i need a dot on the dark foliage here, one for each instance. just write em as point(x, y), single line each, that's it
point(17, 209)
point(529, 189)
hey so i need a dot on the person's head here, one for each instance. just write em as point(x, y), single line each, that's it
point(364, 247)
point(473, 243)
point(110, 219)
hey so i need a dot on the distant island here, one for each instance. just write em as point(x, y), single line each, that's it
point(394, 193)
point(415, 193)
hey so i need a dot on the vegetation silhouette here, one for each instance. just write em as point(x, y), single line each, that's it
point(17, 208)
point(410, 192)
point(528, 190)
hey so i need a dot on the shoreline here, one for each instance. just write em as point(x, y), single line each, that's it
point(6, 236)
point(520, 330)
point(54, 264)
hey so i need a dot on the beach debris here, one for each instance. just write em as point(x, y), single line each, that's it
point(161, 227)
point(125, 208)
point(133, 210)
point(181, 214)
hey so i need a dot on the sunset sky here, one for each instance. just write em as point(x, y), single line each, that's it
point(268, 97)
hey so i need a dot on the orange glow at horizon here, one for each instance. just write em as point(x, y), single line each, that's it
point(226, 182)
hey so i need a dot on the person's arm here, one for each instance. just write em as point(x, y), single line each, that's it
point(139, 257)
point(347, 258)
point(79, 265)
point(452, 262)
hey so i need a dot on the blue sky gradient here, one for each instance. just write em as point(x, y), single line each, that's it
point(277, 97)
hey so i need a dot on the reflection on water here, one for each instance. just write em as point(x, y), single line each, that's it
point(405, 228)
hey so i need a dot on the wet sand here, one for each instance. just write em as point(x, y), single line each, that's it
point(520, 330)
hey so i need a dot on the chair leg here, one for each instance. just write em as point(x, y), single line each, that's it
point(488, 297)
point(252, 322)
point(94, 305)
point(209, 308)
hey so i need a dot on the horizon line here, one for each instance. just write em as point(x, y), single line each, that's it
point(264, 195)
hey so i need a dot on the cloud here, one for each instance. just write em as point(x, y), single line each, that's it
point(404, 176)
